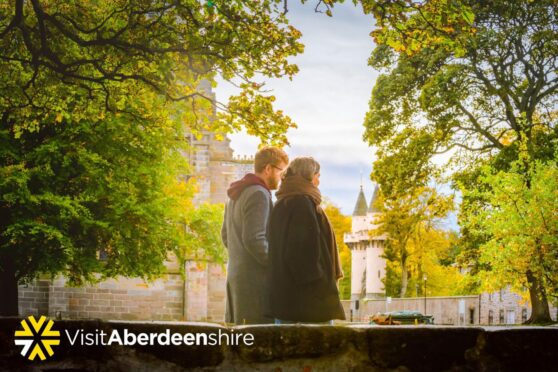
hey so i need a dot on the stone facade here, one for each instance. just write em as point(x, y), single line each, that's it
point(34, 297)
point(198, 295)
point(368, 267)
point(506, 307)
point(213, 162)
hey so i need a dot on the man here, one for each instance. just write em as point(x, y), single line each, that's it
point(244, 233)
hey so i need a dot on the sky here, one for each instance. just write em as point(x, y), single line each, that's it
point(328, 99)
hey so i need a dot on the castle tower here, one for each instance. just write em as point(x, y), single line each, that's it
point(368, 268)
point(372, 209)
point(356, 242)
point(375, 264)
point(212, 160)
point(360, 212)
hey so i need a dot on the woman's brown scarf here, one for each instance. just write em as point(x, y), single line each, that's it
point(298, 185)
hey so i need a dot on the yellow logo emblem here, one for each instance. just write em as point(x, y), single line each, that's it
point(37, 339)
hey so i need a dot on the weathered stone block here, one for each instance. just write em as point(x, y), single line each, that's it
point(301, 348)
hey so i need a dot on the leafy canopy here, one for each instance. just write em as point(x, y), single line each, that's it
point(88, 198)
point(80, 60)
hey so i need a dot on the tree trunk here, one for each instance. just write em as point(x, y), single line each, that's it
point(540, 312)
point(8, 289)
point(404, 277)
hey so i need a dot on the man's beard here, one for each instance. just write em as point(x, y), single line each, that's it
point(273, 183)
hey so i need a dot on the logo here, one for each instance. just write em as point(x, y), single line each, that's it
point(37, 339)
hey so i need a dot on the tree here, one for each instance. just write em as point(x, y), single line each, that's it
point(522, 225)
point(77, 60)
point(432, 254)
point(90, 200)
point(203, 241)
point(80, 61)
point(341, 225)
point(410, 25)
point(475, 103)
point(401, 218)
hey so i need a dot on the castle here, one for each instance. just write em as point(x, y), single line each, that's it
point(214, 166)
point(368, 296)
point(368, 267)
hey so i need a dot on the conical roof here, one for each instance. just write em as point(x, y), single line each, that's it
point(371, 207)
point(360, 206)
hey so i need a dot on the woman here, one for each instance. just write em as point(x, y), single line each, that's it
point(304, 261)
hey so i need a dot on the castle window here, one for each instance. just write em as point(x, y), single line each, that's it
point(501, 317)
point(490, 317)
point(510, 317)
point(523, 315)
point(379, 274)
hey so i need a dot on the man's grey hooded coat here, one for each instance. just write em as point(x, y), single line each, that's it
point(244, 233)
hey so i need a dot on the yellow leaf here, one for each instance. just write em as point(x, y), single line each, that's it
point(58, 117)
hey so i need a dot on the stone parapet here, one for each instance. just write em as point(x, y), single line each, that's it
point(301, 348)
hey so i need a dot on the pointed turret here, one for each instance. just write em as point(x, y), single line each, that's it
point(360, 207)
point(371, 207)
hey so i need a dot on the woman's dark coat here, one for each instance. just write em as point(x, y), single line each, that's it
point(302, 283)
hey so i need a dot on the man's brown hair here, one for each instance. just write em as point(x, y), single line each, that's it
point(269, 155)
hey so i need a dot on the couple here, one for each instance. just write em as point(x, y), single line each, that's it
point(283, 260)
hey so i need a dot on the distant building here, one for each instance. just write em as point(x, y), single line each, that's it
point(368, 269)
point(214, 166)
point(244, 164)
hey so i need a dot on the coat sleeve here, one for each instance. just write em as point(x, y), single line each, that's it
point(255, 215)
point(224, 227)
point(302, 250)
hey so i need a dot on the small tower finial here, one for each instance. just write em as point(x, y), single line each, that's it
point(361, 178)
point(361, 205)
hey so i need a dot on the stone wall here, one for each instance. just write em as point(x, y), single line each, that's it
point(205, 291)
point(196, 290)
point(454, 310)
point(446, 310)
point(34, 297)
point(299, 348)
point(200, 297)
point(216, 293)
point(505, 307)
